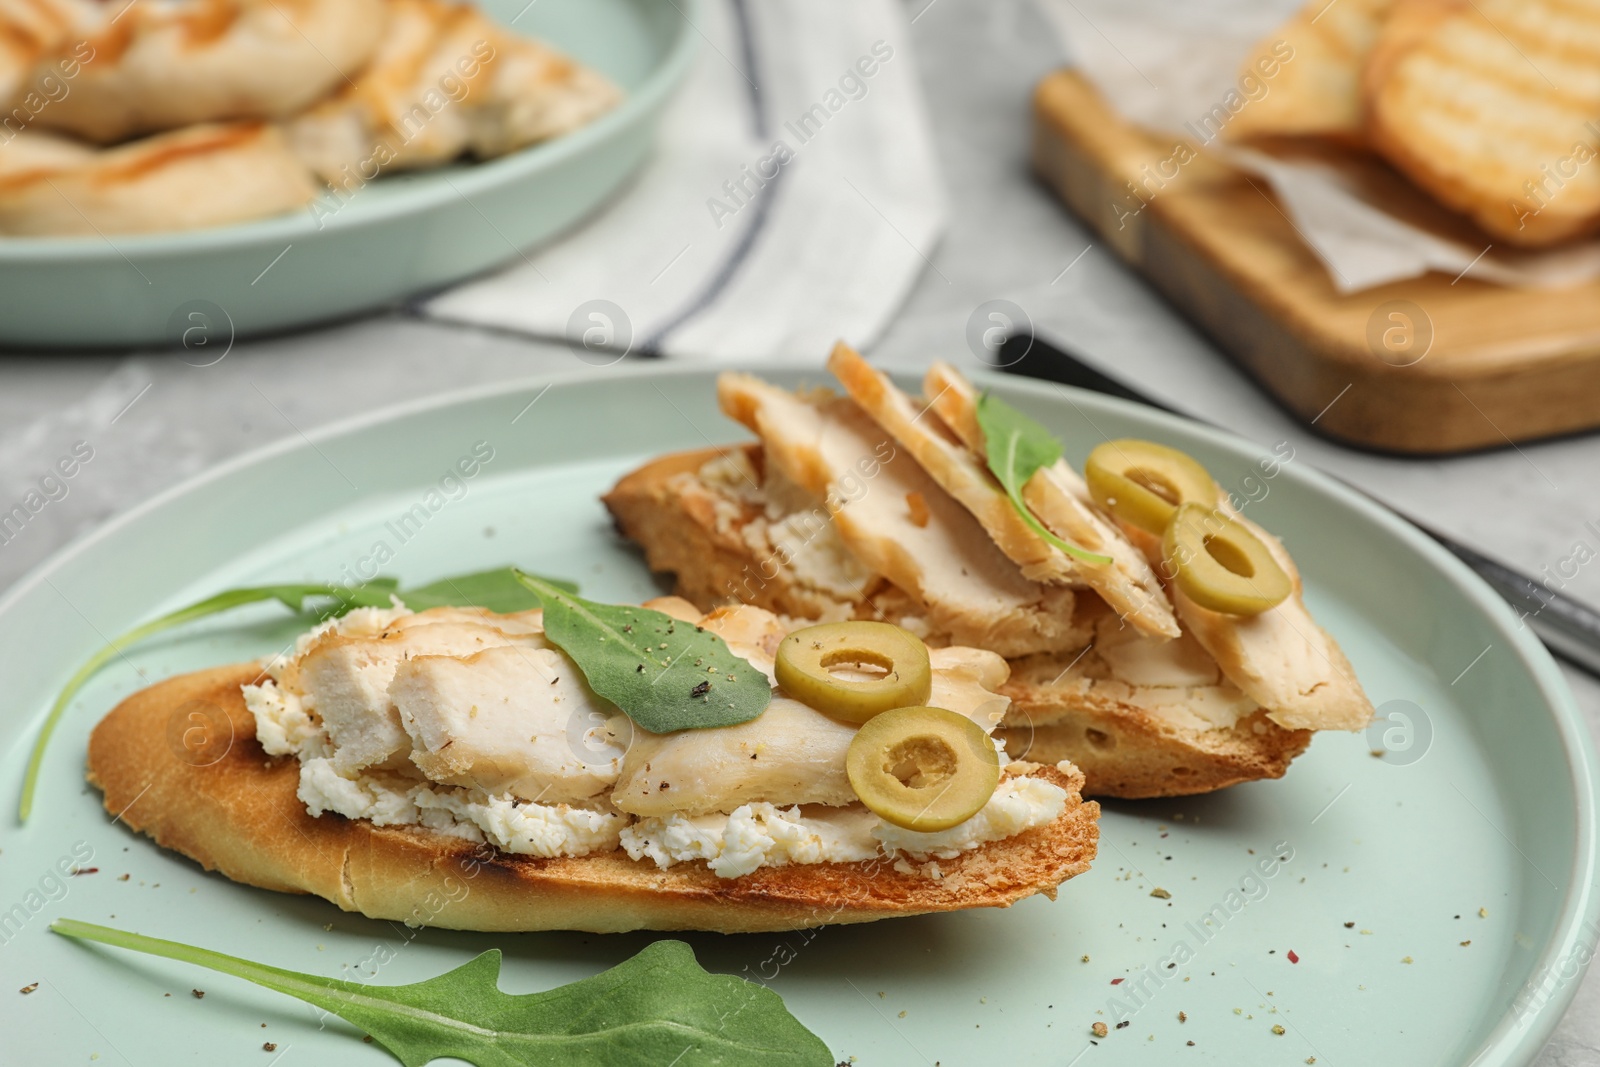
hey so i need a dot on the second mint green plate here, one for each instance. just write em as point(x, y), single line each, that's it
point(1435, 907)
point(400, 235)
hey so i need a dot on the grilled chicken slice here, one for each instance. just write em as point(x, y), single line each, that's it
point(30, 31)
point(962, 474)
point(753, 634)
point(1060, 499)
point(195, 177)
point(446, 82)
point(1281, 658)
point(511, 719)
point(790, 754)
point(31, 152)
point(899, 523)
point(345, 676)
point(162, 65)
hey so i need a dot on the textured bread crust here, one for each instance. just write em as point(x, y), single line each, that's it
point(1126, 751)
point(238, 814)
point(1489, 106)
point(1310, 69)
point(1122, 749)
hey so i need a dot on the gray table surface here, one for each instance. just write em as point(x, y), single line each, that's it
point(153, 419)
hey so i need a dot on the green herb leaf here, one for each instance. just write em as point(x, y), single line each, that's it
point(664, 674)
point(373, 594)
point(1017, 448)
point(498, 590)
point(660, 1007)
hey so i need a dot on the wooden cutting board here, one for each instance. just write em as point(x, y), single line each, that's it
point(1427, 365)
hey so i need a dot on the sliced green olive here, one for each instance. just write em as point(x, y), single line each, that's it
point(806, 658)
point(1221, 565)
point(1143, 483)
point(923, 769)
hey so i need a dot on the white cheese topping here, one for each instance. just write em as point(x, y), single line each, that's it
point(1019, 804)
point(755, 835)
point(526, 829)
point(762, 835)
point(283, 726)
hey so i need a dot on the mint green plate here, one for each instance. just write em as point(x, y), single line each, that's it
point(401, 235)
point(1482, 797)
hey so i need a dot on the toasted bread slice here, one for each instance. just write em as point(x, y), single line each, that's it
point(195, 177)
point(1135, 738)
point(1490, 106)
point(1309, 73)
point(156, 67)
point(232, 809)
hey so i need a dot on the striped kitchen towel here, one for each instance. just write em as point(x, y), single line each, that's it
point(792, 200)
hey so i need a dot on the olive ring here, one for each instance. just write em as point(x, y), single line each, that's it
point(1143, 483)
point(923, 769)
point(805, 658)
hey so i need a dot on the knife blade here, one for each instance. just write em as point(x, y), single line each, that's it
point(1566, 625)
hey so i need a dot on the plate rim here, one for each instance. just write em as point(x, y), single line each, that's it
point(448, 182)
point(1513, 1040)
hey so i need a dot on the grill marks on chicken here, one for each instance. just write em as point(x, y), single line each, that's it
point(182, 114)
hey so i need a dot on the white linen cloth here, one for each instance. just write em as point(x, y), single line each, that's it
point(792, 199)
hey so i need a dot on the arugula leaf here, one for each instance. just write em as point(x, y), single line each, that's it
point(498, 590)
point(664, 674)
point(659, 1007)
point(373, 594)
point(1017, 449)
